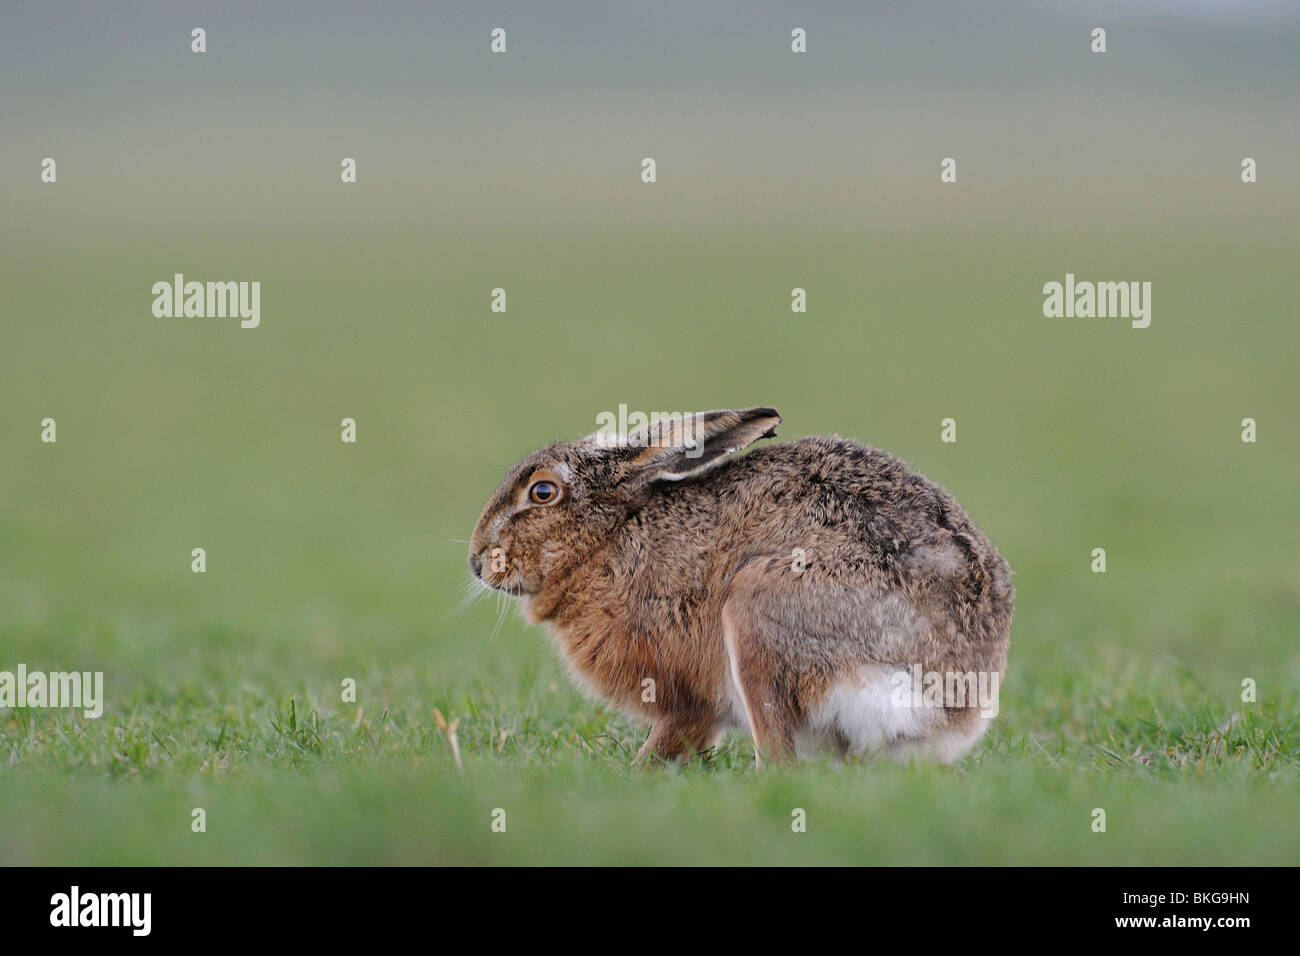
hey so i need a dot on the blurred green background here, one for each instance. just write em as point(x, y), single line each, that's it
point(522, 171)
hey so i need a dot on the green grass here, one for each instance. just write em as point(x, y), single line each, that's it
point(328, 561)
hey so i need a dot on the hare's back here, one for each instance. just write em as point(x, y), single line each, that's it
point(855, 508)
point(833, 483)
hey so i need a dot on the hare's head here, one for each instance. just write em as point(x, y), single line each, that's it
point(563, 501)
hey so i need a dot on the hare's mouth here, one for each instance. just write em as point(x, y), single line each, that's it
point(506, 585)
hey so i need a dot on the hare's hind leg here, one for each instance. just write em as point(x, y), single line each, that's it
point(766, 690)
point(770, 716)
point(807, 655)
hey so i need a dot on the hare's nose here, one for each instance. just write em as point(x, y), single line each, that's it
point(475, 563)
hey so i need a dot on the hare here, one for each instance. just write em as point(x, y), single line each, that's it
point(817, 593)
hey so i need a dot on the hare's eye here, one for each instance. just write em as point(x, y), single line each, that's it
point(543, 492)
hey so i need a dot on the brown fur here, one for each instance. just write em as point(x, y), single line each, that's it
point(653, 563)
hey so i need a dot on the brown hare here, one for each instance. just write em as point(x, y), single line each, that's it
point(817, 593)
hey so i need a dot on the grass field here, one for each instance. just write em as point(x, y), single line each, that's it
point(328, 561)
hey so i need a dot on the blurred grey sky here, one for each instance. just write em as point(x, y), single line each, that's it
point(744, 131)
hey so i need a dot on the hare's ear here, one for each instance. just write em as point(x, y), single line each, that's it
point(673, 447)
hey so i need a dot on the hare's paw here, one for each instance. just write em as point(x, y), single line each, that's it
point(676, 738)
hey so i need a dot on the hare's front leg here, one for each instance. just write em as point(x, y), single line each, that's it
point(676, 737)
